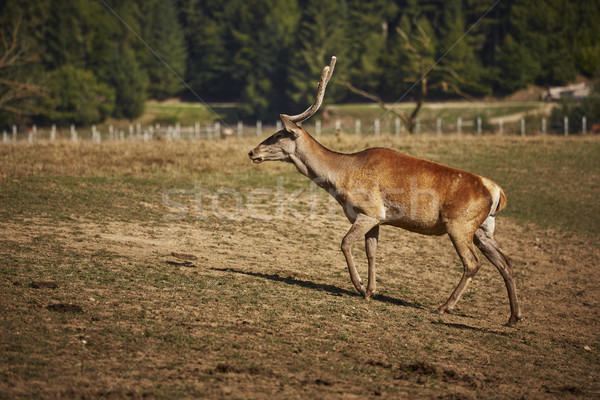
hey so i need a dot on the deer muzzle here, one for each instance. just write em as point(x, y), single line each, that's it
point(255, 157)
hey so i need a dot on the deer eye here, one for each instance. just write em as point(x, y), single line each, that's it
point(278, 136)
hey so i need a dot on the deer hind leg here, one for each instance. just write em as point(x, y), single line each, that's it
point(371, 239)
point(484, 240)
point(463, 243)
point(362, 225)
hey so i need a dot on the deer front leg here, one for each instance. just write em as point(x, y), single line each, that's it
point(371, 239)
point(361, 226)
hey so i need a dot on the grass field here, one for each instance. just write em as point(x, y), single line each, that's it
point(188, 113)
point(447, 112)
point(199, 274)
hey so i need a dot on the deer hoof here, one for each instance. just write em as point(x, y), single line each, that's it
point(512, 322)
point(441, 310)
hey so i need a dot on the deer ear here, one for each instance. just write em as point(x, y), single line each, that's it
point(290, 126)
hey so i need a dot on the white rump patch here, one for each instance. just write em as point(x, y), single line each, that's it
point(494, 192)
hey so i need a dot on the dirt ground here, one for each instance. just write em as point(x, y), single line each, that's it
point(233, 306)
point(273, 315)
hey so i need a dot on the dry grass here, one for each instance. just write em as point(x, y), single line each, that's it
point(266, 309)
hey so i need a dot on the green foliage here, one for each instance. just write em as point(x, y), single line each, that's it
point(264, 49)
point(587, 49)
point(462, 68)
point(76, 97)
point(517, 65)
point(366, 34)
point(208, 61)
point(163, 33)
point(321, 35)
point(128, 79)
point(268, 54)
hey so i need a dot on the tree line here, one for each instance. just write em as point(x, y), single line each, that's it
point(81, 61)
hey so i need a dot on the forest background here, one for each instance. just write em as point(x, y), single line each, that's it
point(82, 61)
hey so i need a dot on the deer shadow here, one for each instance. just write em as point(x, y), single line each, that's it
point(330, 289)
point(464, 327)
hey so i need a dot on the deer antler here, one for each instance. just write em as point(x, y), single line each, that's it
point(310, 111)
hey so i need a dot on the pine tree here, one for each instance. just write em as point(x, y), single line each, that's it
point(128, 80)
point(516, 65)
point(321, 35)
point(264, 93)
point(366, 31)
point(74, 96)
point(163, 34)
point(410, 55)
point(457, 52)
point(586, 37)
point(539, 28)
point(209, 61)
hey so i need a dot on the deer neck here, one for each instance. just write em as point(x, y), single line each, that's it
point(317, 162)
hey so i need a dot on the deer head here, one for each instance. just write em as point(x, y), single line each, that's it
point(282, 144)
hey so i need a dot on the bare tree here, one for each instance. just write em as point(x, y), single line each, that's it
point(419, 48)
point(14, 55)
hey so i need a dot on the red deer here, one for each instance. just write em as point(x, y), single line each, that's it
point(380, 186)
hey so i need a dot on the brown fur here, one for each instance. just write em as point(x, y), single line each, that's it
point(381, 186)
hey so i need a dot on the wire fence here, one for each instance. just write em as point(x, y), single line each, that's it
point(438, 127)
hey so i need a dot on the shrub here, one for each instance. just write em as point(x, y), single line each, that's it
point(75, 96)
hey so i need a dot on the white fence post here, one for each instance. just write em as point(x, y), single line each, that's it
point(543, 126)
point(338, 125)
point(240, 129)
point(357, 126)
point(438, 126)
point(377, 127)
point(96, 138)
point(583, 125)
point(459, 125)
point(177, 131)
point(397, 126)
point(196, 130)
point(258, 128)
point(73, 133)
point(278, 125)
point(317, 127)
point(14, 133)
point(566, 126)
point(53, 133)
point(522, 126)
point(479, 125)
point(500, 127)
